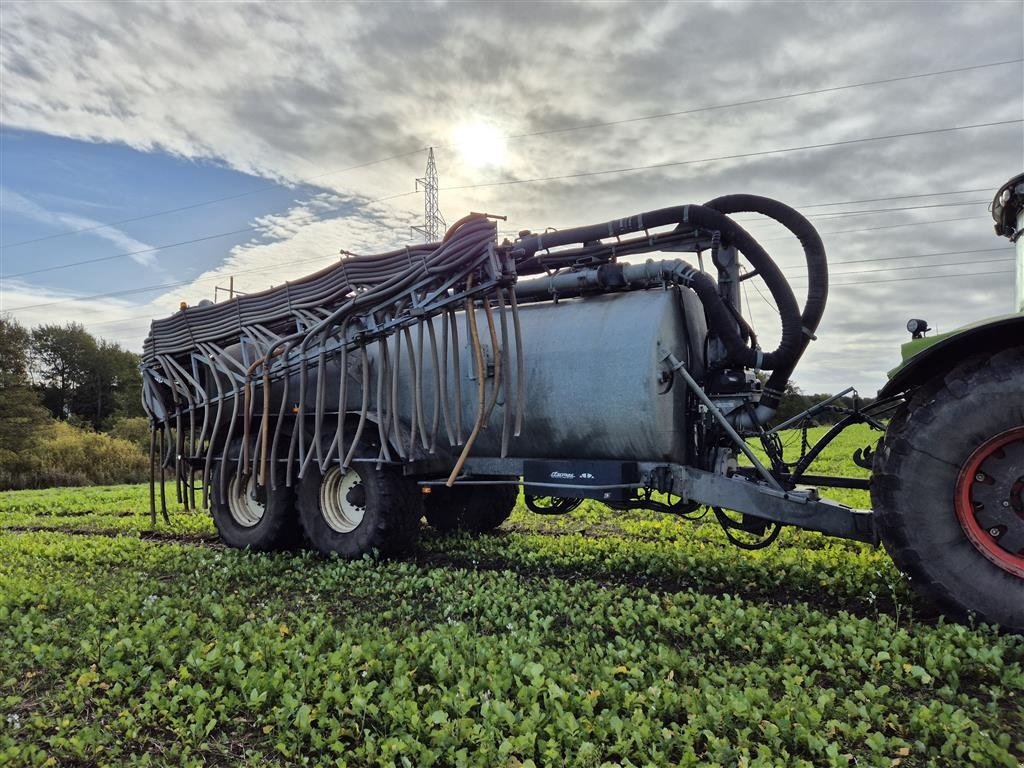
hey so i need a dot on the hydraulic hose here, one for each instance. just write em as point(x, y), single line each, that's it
point(817, 275)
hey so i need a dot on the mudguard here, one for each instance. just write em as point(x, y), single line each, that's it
point(926, 358)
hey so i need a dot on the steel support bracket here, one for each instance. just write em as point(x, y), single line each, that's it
point(801, 507)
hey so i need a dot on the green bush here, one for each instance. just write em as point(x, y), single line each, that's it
point(134, 429)
point(64, 455)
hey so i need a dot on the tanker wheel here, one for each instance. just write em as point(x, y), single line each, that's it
point(470, 508)
point(948, 489)
point(249, 515)
point(355, 511)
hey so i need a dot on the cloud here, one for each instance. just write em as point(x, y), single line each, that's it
point(294, 91)
point(118, 320)
point(21, 205)
point(307, 237)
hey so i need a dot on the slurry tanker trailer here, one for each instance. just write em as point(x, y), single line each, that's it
point(437, 379)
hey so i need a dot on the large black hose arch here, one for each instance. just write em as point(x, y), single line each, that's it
point(817, 273)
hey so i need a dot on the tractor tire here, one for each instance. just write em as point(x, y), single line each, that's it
point(354, 512)
point(470, 508)
point(250, 516)
point(948, 489)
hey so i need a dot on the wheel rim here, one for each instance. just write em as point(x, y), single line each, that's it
point(245, 508)
point(342, 500)
point(990, 500)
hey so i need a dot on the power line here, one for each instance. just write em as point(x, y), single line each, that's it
point(924, 255)
point(154, 249)
point(914, 266)
point(762, 100)
point(746, 296)
point(192, 206)
point(147, 316)
point(764, 298)
point(891, 197)
point(874, 229)
point(159, 286)
point(837, 214)
point(761, 153)
point(68, 265)
point(899, 258)
point(924, 277)
point(918, 277)
point(694, 110)
point(898, 226)
point(164, 247)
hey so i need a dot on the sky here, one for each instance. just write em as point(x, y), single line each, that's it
point(260, 140)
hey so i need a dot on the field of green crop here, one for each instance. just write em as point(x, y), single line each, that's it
point(596, 639)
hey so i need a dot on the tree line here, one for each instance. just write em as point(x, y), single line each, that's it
point(72, 374)
point(70, 408)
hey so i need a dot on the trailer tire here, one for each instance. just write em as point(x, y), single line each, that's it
point(470, 508)
point(260, 519)
point(948, 486)
point(365, 508)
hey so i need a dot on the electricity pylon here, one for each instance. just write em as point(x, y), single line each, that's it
point(433, 221)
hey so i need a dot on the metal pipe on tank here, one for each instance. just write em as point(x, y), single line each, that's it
point(604, 278)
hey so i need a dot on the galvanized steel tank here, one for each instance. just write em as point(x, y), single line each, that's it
point(596, 384)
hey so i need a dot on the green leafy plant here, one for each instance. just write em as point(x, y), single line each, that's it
point(597, 639)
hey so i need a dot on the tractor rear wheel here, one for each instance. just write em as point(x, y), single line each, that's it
point(948, 489)
point(351, 512)
point(470, 508)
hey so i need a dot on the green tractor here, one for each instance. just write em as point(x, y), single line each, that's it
point(948, 478)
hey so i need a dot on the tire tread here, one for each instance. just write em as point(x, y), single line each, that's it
point(902, 440)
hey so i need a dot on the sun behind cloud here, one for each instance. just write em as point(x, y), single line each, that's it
point(479, 144)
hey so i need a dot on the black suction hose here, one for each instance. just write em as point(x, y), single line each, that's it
point(817, 274)
point(719, 318)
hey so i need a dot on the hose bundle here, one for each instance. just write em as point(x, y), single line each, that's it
point(200, 366)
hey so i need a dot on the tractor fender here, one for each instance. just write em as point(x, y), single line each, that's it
point(948, 350)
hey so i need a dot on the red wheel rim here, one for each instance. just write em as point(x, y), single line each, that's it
point(990, 500)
